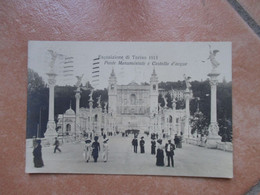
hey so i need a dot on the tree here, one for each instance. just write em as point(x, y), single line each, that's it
point(199, 123)
point(37, 105)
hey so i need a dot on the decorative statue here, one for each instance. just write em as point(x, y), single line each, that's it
point(79, 80)
point(173, 95)
point(54, 56)
point(105, 107)
point(99, 101)
point(165, 101)
point(187, 81)
point(91, 94)
point(212, 55)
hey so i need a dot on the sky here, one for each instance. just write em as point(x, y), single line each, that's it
point(132, 61)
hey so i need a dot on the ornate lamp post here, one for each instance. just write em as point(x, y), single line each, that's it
point(187, 95)
point(77, 96)
point(51, 126)
point(213, 136)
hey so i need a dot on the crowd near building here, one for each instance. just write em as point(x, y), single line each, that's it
point(132, 108)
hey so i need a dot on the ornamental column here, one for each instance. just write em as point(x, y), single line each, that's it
point(91, 121)
point(77, 96)
point(174, 117)
point(99, 119)
point(50, 133)
point(187, 95)
point(51, 126)
point(213, 136)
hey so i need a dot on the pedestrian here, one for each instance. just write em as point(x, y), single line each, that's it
point(87, 150)
point(105, 150)
point(56, 144)
point(37, 155)
point(176, 141)
point(95, 148)
point(169, 148)
point(135, 143)
point(160, 154)
point(142, 142)
point(153, 146)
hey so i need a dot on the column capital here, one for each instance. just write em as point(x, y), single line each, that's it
point(51, 79)
point(213, 78)
point(77, 96)
point(187, 94)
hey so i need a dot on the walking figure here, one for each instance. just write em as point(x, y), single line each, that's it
point(169, 148)
point(135, 143)
point(142, 142)
point(153, 146)
point(87, 150)
point(56, 144)
point(96, 148)
point(105, 150)
point(37, 155)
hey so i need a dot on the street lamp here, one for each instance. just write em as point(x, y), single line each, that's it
point(39, 124)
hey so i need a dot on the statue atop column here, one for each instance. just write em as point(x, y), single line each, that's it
point(165, 101)
point(173, 99)
point(50, 132)
point(105, 107)
point(213, 137)
point(79, 80)
point(99, 101)
point(91, 95)
point(187, 82)
point(54, 56)
point(212, 55)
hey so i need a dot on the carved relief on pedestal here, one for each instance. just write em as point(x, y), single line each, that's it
point(213, 129)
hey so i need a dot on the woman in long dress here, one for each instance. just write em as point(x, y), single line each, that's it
point(37, 155)
point(105, 150)
point(160, 154)
point(96, 148)
point(87, 150)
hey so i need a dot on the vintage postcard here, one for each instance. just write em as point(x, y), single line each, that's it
point(138, 108)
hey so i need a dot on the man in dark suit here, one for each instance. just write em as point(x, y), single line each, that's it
point(169, 148)
point(142, 142)
point(135, 143)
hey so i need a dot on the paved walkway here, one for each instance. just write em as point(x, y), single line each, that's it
point(189, 160)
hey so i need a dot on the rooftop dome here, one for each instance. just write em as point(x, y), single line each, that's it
point(133, 83)
point(70, 112)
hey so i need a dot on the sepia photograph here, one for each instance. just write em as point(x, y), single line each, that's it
point(130, 108)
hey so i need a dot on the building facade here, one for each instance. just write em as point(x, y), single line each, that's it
point(130, 107)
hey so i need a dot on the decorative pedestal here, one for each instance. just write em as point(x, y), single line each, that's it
point(50, 134)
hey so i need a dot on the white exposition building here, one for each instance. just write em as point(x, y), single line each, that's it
point(130, 107)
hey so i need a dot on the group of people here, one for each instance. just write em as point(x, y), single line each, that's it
point(37, 151)
point(168, 148)
point(135, 144)
point(93, 149)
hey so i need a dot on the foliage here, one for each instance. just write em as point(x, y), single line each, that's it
point(37, 105)
point(199, 123)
